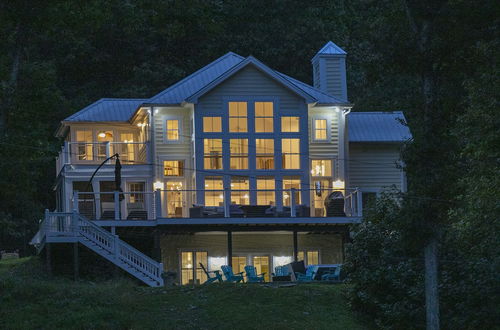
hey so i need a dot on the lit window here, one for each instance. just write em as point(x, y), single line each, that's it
point(264, 149)
point(290, 149)
point(212, 124)
point(239, 154)
point(239, 190)
point(321, 167)
point(84, 146)
point(173, 168)
point(173, 133)
point(191, 271)
point(104, 149)
point(265, 191)
point(212, 149)
point(264, 117)
point(214, 191)
point(309, 257)
point(289, 124)
point(320, 130)
point(238, 117)
point(288, 184)
point(137, 190)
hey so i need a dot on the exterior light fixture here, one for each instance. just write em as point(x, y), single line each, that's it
point(158, 185)
point(339, 184)
point(101, 134)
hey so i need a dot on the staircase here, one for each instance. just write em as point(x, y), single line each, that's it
point(60, 227)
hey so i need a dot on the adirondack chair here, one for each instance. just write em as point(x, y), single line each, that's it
point(210, 279)
point(307, 277)
point(252, 276)
point(281, 273)
point(230, 276)
point(333, 275)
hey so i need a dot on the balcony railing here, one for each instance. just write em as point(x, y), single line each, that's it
point(218, 204)
point(96, 152)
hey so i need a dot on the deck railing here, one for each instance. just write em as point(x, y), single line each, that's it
point(221, 203)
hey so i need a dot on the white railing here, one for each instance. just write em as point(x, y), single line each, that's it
point(96, 152)
point(354, 204)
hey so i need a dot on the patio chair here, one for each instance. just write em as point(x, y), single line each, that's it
point(332, 275)
point(307, 277)
point(281, 273)
point(252, 275)
point(210, 279)
point(230, 276)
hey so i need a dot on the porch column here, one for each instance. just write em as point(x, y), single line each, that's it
point(295, 246)
point(230, 248)
point(48, 257)
point(157, 246)
point(76, 262)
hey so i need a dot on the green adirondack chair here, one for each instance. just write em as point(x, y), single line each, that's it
point(252, 275)
point(230, 276)
point(210, 279)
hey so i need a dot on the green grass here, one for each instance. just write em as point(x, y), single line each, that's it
point(29, 300)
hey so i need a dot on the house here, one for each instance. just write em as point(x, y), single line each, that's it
point(235, 164)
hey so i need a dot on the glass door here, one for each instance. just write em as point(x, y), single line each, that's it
point(239, 263)
point(191, 272)
point(175, 199)
point(261, 264)
point(320, 192)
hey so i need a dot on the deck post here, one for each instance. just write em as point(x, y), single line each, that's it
point(227, 203)
point(230, 248)
point(295, 246)
point(359, 200)
point(293, 212)
point(76, 261)
point(157, 196)
point(75, 200)
point(116, 198)
point(48, 258)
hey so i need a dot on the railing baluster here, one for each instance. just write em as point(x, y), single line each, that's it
point(293, 213)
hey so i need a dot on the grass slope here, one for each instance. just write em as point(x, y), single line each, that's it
point(29, 300)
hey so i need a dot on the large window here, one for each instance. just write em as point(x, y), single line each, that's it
point(212, 150)
point(264, 117)
point(289, 124)
point(309, 257)
point(214, 191)
point(288, 184)
point(290, 149)
point(137, 190)
point(191, 271)
point(212, 124)
point(84, 146)
point(104, 149)
point(173, 130)
point(320, 130)
point(173, 168)
point(239, 154)
point(240, 190)
point(265, 191)
point(264, 149)
point(321, 167)
point(238, 117)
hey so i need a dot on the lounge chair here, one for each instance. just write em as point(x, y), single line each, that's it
point(216, 275)
point(230, 276)
point(252, 275)
point(332, 275)
point(307, 277)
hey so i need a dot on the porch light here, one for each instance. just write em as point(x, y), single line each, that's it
point(339, 184)
point(101, 134)
point(158, 185)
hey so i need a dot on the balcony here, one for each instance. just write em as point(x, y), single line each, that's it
point(91, 153)
point(220, 204)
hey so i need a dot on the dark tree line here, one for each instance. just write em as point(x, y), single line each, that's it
point(435, 60)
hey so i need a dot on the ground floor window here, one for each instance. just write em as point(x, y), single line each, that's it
point(262, 265)
point(310, 257)
point(191, 271)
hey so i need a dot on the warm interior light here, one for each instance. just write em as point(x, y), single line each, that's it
point(158, 185)
point(339, 184)
point(102, 134)
point(221, 196)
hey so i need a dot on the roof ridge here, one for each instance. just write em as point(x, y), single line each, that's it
point(206, 67)
point(376, 112)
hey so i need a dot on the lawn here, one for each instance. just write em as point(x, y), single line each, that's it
point(29, 300)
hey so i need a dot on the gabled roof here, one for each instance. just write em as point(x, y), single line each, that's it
point(320, 96)
point(377, 127)
point(329, 49)
point(107, 110)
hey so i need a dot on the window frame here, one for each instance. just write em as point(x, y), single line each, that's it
point(221, 155)
point(212, 117)
point(239, 117)
point(266, 155)
point(163, 160)
point(263, 117)
point(165, 131)
point(239, 156)
point(289, 132)
point(327, 129)
point(297, 154)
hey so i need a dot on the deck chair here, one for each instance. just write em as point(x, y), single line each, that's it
point(252, 275)
point(332, 275)
point(210, 279)
point(307, 277)
point(230, 276)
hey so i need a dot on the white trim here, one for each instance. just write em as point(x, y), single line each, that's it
point(180, 120)
point(328, 129)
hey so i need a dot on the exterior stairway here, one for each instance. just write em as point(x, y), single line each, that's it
point(58, 227)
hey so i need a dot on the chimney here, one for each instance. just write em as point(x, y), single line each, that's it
point(329, 71)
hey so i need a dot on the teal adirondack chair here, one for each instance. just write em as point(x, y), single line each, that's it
point(230, 276)
point(333, 275)
point(252, 275)
point(307, 277)
point(210, 279)
point(281, 271)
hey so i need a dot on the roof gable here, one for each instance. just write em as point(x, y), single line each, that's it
point(107, 110)
point(377, 127)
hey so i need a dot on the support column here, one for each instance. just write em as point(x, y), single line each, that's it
point(295, 246)
point(48, 257)
point(230, 248)
point(157, 246)
point(76, 262)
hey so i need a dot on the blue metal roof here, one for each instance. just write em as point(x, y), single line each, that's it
point(107, 110)
point(320, 96)
point(377, 127)
point(331, 48)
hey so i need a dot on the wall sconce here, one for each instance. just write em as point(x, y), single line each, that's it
point(339, 184)
point(158, 185)
point(101, 134)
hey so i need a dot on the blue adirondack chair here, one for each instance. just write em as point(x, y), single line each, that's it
point(281, 271)
point(230, 276)
point(217, 276)
point(307, 277)
point(252, 275)
point(332, 275)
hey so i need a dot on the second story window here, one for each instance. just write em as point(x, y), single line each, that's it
point(290, 124)
point(173, 130)
point(214, 191)
point(238, 117)
point(212, 152)
point(320, 130)
point(290, 152)
point(321, 167)
point(84, 145)
point(239, 154)
point(212, 125)
point(264, 117)
point(173, 168)
point(264, 149)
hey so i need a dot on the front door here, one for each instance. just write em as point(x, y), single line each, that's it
point(175, 199)
point(261, 264)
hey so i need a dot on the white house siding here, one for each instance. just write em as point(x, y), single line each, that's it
point(372, 166)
